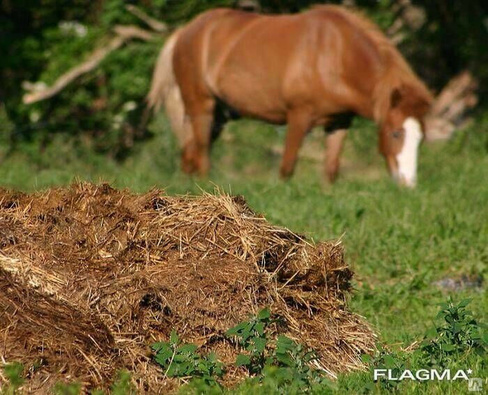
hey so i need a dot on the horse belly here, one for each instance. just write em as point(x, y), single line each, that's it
point(252, 96)
point(247, 68)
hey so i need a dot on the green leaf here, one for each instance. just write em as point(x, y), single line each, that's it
point(259, 328)
point(431, 333)
point(246, 333)
point(235, 331)
point(285, 360)
point(243, 360)
point(259, 344)
point(180, 358)
point(389, 361)
point(163, 357)
point(284, 344)
point(264, 314)
point(464, 303)
point(269, 361)
point(159, 346)
point(188, 348)
point(172, 370)
point(173, 338)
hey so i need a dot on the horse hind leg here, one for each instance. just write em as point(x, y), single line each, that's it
point(188, 150)
point(333, 148)
point(336, 130)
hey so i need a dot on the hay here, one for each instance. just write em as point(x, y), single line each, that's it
point(90, 276)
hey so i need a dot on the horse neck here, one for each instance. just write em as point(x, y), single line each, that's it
point(396, 73)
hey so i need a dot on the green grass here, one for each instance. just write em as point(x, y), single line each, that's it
point(399, 242)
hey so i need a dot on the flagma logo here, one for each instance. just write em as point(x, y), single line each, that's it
point(421, 375)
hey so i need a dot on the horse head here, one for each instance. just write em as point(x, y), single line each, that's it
point(402, 131)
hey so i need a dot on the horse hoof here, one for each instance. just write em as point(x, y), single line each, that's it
point(188, 168)
point(285, 174)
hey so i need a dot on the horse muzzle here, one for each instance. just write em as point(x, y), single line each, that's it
point(409, 182)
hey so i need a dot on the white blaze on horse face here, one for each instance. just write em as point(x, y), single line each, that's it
point(407, 158)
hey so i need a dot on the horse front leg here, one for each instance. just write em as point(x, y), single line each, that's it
point(333, 148)
point(299, 123)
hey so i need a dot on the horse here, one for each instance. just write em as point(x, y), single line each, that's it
point(321, 67)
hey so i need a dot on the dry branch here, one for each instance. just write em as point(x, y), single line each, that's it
point(151, 22)
point(460, 89)
point(123, 34)
point(450, 107)
point(249, 5)
point(408, 15)
point(130, 32)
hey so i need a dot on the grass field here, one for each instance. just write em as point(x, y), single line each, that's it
point(405, 246)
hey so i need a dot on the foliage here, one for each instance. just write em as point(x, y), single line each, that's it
point(182, 360)
point(251, 335)
point(459, 341)
point(294, 363)
point(105, 106)
point(285, 360)
point(385, 359)
point(458, 334)
point(285, 366)
point(281, 363)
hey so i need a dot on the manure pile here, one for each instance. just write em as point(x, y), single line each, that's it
point(90, 276)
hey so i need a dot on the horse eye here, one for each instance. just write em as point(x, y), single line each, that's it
point(397, 134)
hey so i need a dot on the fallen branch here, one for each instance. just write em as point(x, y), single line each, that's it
point(461, 88)
point(130, 32)
point(409, 16)
point(124, 34)
point(151, 22)
point(450, 107)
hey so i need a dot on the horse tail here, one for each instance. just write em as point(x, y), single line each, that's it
point(165, 92)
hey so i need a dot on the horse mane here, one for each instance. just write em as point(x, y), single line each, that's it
point(396, 72)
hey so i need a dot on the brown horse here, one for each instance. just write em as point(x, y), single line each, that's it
point(319, 67)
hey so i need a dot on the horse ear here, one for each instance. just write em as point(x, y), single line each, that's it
point(396, 97)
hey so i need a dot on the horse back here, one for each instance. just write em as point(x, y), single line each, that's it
point(205, 61)
point(264, 65)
